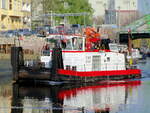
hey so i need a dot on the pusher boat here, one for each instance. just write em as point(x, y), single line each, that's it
point(76, 58)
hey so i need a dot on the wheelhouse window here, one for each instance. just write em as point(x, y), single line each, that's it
point(68, 45)
point(77, 43)
point(74, 43)
point(71, 43)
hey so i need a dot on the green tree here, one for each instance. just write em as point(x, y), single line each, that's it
point(70, 6)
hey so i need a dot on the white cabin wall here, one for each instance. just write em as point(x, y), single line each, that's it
point(74, 59)
point(121, 61)
point(112, 61)
point(83, 61)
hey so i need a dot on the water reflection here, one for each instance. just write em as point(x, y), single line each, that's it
point(145, 68)
point(5, 98)
point(85, 98)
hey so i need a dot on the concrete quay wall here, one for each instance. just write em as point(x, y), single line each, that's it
point(31, 43)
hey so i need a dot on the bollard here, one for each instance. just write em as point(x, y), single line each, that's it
point(17, 61)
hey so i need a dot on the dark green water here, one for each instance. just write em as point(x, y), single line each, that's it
point(124, 97)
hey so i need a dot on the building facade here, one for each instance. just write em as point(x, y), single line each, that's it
point(99, 7)
point(37, 12)
point(12, 14)
point(114, 11)
point(26, 10)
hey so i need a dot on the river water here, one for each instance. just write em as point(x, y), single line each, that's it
point(121, 97)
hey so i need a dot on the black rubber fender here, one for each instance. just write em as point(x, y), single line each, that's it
point(57, 63)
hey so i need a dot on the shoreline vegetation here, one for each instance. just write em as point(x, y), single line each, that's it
point(26, 56)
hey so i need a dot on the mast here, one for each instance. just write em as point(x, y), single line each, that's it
point(129, 42)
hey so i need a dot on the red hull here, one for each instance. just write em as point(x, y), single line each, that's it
point(99, 73)
point(69, 75)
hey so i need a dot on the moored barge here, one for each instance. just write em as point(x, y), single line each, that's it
point(74, 59)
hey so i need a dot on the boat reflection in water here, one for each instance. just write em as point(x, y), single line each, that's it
point(85, 98)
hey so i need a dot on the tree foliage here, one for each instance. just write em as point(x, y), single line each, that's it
point(70, 6)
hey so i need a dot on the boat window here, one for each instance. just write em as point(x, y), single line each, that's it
point(77, 43)
point(113, 47)
point(74, 68)
point(63, 44)
point(46, 52)
point(74, 43)
point(68, 45)
point(108, 59)
point(68, 67)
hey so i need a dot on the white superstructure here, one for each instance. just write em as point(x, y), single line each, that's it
point(94, 61)
point(77, 59)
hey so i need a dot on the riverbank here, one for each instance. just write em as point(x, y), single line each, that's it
point(26, 56)
point(31, 43)
point(32, 46)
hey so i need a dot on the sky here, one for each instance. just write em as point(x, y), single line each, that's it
point(144, 6)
